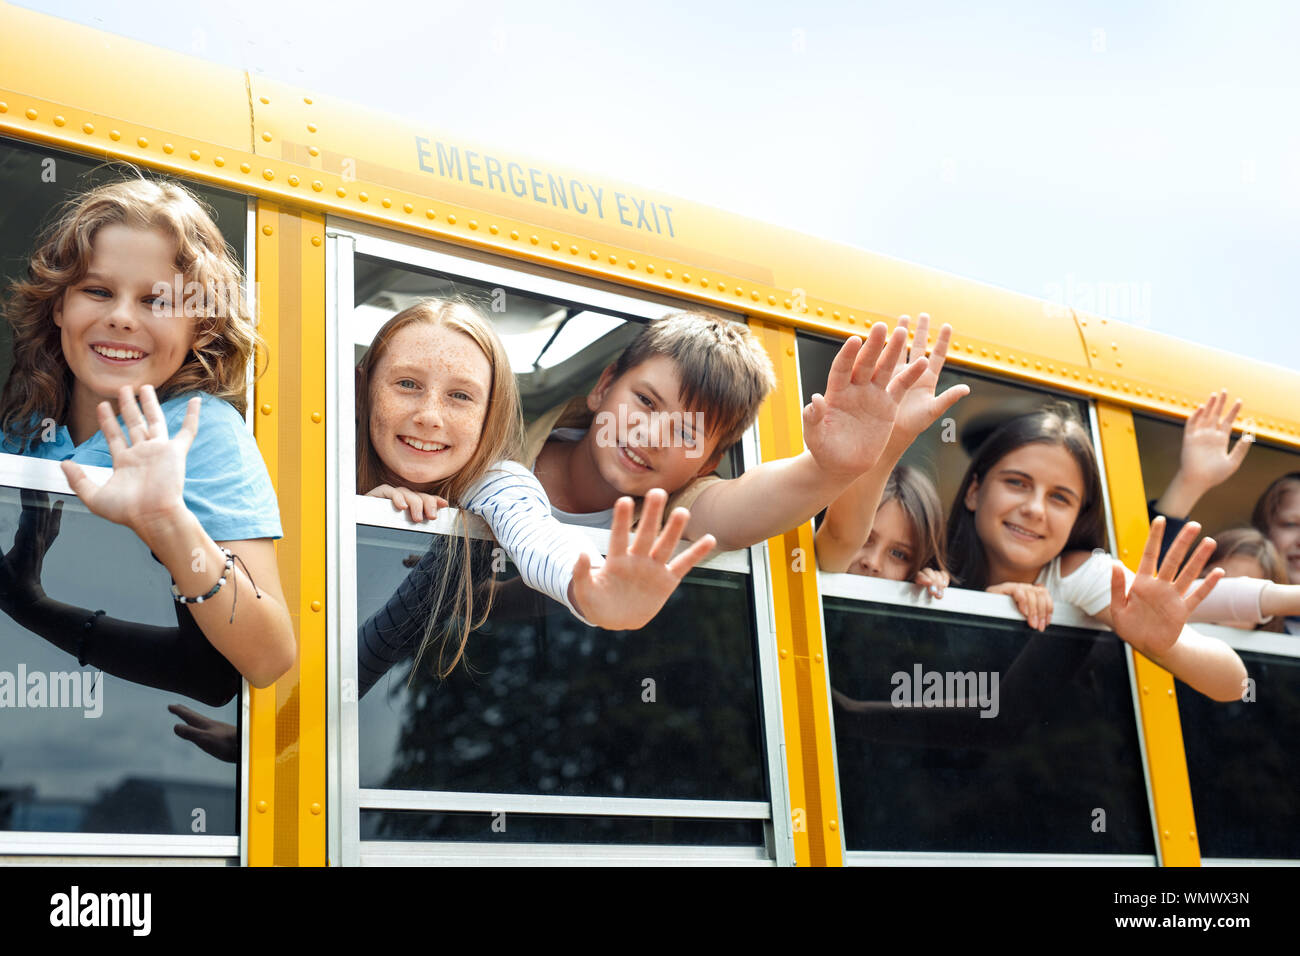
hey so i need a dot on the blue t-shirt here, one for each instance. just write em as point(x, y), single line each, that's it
point(226, 483)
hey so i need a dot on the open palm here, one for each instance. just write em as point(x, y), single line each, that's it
point(629, 589)
point(1151, 616)
point(919, 407)
point(148, 477)
point(847, 429)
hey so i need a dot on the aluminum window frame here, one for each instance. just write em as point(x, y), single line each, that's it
point(345, 241)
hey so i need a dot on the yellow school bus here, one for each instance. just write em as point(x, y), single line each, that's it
point(711, 736)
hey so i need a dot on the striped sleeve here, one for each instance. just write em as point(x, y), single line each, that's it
point(511, 500)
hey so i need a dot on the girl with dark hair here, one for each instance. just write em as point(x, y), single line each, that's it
point(1027, 522)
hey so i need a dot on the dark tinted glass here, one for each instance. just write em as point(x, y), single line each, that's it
point(82, 750)
point(1059, 744)
point(1243, 760)
point(541, 828)
point(550, 706)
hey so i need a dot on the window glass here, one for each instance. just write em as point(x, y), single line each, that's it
point(547, 705)
point(82, 750)
point(1244, 763)
point(553, 828)
point(1029, 747)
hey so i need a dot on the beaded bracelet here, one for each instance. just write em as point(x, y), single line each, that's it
point(231, 558)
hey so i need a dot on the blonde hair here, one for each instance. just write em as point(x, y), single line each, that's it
point(723, 369)
point(1252, 543)
point(502, 438)
point(225, 339)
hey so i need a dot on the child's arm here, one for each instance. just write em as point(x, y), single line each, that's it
point(846, 432)
point(620, 592)
point(1204, 461)
point(850, 516)
point(145, 493)
point(1152, 615)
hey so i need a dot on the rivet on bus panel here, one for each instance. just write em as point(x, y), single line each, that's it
point(1191, 835)
point(754, 295)
point(473, 223)
point(451, 219)
point(245, 168)
point(114, 135)
point(722, 287)
point(555, 245)
point(168, 148)
point(771, 300)
point(835, 316)
point(195, 155)
point(386, 203)
point(364, 196)
point(317, 185)
point(1145, 689)
point(818, 658)
point(264, 100)
point(787, 303)
point(294, 180)
point(407, 207)
point(88, 128)
point(430, 214)
point(573, 250)
point(313, 150)
point(261, 806)
point(311, 127)
point(315, 605)
point(789, 350)
point(59, 121)
point(142, 142)
point(514, 233)
point(595, 255)
point(4, 107)
point(340, 192)
point(307, 100)
point(315, 240)
point(1166, 834)
point(1119, 363)
point(686, 277)
point(219, 161)
point(613, 260)
point(266, 137)
point(266, 230)
point(315, 808)
point(30, 114)
point(834, 825)
point(668, 273)
point(494, 229)
point(649, 267)
point(266, 409)
point(784, 653)
point(534, 240)
point(631, 263)
point(820, 310)
point(268, 174)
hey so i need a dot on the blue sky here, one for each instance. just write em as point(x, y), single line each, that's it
point(1146, 157)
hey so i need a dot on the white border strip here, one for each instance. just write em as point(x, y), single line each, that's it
point(886, 858)
point(455, 802)
point(1232, 861)
point(16, 842)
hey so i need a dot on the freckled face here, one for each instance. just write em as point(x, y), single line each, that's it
point(428, 400)
point(890, 547)
point(1284, 532)
point(1025, 509)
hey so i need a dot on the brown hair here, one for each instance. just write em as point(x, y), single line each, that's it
point(501, 439)
point(225, 339)
point(916, 495)
point(1056, 423)
point(1252, 543)
point(1270, 502)
point(723, 369)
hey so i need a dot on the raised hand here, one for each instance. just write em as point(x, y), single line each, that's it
point(1153, 612)
point(20, 569)
point(628, 590)
point(1205, 458)
point(148, 478)
point(417, 505)
point(1032, 600)
point(847, 429)
point(920, 407)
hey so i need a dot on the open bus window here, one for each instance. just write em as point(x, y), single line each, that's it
point(35, 181)
point(82, 750)
point(964, 732)
point(557, 347)
point(1243, 761)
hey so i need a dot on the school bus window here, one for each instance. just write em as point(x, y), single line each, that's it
point(89, 747)
point(1241, 768)
point(403, 825)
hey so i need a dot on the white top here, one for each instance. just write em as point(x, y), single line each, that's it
point(516, 508)
point(1233, 600)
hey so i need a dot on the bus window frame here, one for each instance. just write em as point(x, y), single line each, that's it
point(959, 600)
point(344, 242)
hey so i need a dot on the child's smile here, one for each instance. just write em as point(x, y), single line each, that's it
point(118, 325)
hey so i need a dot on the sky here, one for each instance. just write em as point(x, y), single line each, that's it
point(1140, 160)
